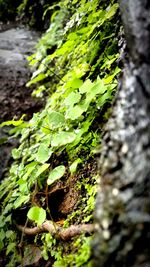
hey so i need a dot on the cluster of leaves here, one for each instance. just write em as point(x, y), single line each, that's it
point(8, 9)
point(79, 252)
point(75, 65)
point(35, 13)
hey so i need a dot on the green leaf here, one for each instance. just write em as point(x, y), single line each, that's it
point(87, 85)
point(62, 138)
point(2, 234)
point(108, 62)
point(12, 122)
point(20, 200)
point(38, 78)
point(56, 174)
point(74, 165)
point(37, 214)
point(10, 248)
point(75, 112)
point(109, 78)
point(55, 119)
point(10, 234)
point(16, 153)
point(75, 83)
point(39, 91)
point(2, 223)
point(44, 153)
point(104, 98)
point(72, 98)
point(23, 186)
point(28, 170)
point(112, 11)
point(2, 237)
point(41, 169)
point(97, 88)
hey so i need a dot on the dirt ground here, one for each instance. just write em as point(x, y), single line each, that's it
point(16, 43)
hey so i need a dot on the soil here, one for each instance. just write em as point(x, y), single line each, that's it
point(16, 43)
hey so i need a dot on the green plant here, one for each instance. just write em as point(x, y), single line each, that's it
point(8, 9)
point(75, 64)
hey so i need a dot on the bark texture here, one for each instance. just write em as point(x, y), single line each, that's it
point(123, 200)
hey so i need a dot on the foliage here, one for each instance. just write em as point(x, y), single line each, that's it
point(79, 257)
point(34, 12)
point(75, 66)
point(37, 214)
point(8, 9)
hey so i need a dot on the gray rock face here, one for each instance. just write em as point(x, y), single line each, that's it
point(123, 201)
point(15, 45)
point(15, 98)
point(136, 19)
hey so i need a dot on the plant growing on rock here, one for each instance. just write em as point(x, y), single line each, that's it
point(53, 176)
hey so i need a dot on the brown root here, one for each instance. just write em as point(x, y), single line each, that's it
point(57, 231)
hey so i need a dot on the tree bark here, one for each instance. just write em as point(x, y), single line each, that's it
point(123, 199)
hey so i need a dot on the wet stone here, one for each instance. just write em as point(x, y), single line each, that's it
point(16, 43)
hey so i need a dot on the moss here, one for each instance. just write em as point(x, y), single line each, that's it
point(76, 253)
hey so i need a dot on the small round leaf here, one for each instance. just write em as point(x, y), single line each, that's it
point(37, 214)
point(56, 174)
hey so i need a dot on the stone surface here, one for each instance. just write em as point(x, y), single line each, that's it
point(123, 201)
point(15, 99)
